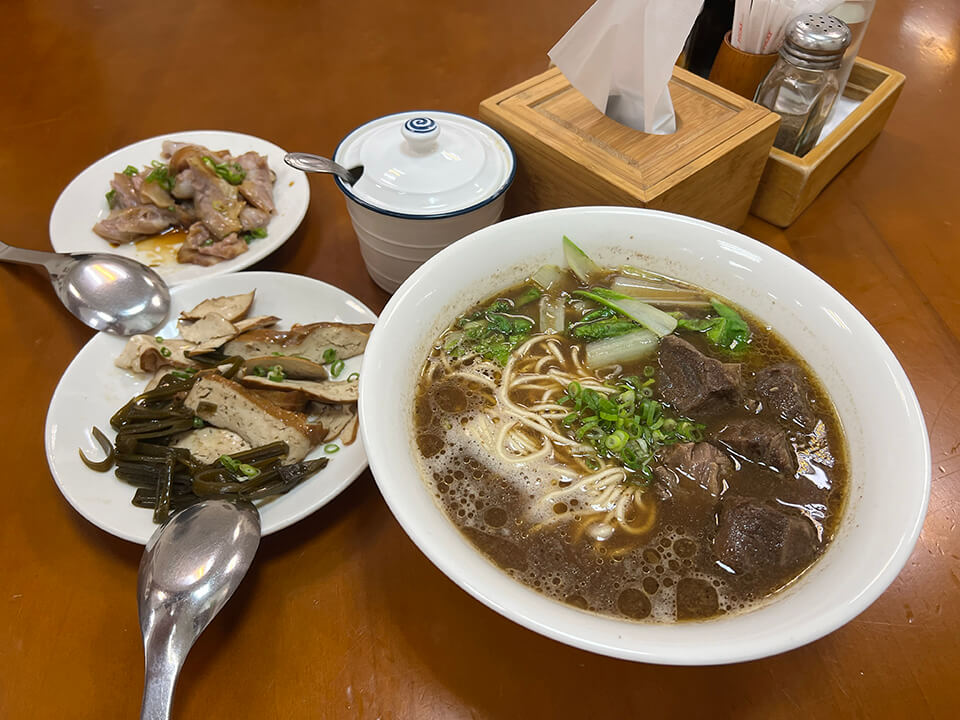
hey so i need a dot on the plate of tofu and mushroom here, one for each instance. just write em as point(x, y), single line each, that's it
point(249, 390)
point(192, 205)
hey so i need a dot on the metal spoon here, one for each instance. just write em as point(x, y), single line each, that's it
point(190, 568)
point(319, 164)
point(106, 292)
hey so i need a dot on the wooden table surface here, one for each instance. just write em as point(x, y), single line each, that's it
point(342, 616)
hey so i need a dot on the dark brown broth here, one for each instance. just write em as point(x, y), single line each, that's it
point(669, 574)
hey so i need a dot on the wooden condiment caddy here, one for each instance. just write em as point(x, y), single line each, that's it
point(569, 153)
point(790, 183)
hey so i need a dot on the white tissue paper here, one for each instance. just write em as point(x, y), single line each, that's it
point(620, 55)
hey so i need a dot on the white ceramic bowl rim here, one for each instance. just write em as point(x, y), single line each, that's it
point(883, 517)
point(495, 192)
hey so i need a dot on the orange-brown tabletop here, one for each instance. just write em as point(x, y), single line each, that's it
point(341, 615)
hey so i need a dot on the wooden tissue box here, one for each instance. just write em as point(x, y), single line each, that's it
point(569, 153)
point(790, 183)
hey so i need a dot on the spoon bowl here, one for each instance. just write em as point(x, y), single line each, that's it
point(189, 569)
point(107, 292)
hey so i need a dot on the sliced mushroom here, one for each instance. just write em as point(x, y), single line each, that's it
point(328, 391)
point(333, 417)
point(144, 354)
point(309, 341)
point(209, 443)
point(230, 307)
point(225, 404)
point(212, 325)
point(297, 368)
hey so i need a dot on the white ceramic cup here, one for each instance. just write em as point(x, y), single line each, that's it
point(429, 179)
point(888, 450)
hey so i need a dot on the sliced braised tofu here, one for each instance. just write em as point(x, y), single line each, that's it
point(333, 417)
point(327, 391)
point(210, 326)
point(225, 404)
point(349, 433)
point(144, 354)
point(260, 321)
point(308, 341)
point(209, 443)
point(293, 400)
point(293, 367)
point(230, 307)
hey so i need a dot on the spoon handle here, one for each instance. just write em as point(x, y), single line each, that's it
point(52, 262)
point(318, 164)
point(160, 678)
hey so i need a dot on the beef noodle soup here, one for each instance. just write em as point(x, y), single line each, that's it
point(630, 444)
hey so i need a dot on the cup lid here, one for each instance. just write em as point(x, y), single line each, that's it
point(426, 164)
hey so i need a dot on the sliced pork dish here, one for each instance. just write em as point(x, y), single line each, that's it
point(221, 202)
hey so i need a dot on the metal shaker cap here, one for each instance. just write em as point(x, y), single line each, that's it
point(815, 41)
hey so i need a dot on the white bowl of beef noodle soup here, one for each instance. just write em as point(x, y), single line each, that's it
point(666, 442)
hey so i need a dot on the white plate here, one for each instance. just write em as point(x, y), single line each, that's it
point(92, 389)
point(82, 204)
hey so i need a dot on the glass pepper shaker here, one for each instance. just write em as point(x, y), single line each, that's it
point(803, 85)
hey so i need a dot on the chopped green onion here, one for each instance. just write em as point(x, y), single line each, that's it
point(329, 355)
point(130, 170)
point(255, 234)
point(160, 175)
point(649, 371)
point(259, 371)
point(278, 354)
point(198, 422)
point(159, 338)
point(331, 448)
point(111, 196)
point(165, 351)
point(180, 374)
point(231, 172)
point(337, 367)
point(229, 463)
point(249, 470)
point(353, 376)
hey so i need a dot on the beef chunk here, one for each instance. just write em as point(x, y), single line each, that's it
point(693, 467)
point(762, 442)
point(783, 389)
point(693, 382)
point(756, 537)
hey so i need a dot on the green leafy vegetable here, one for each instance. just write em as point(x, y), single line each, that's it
point(727, 329)
point(492, 332)
point(627, 425)
point(580, 263)
point(231, 172)
point(600, 329)
point(527, 296)
point(650, 317)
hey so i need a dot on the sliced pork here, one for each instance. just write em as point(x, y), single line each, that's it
point(123, 226)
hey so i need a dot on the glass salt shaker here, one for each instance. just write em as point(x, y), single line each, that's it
point(803, 84)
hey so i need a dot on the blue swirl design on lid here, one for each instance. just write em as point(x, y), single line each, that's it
point(420, 125)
